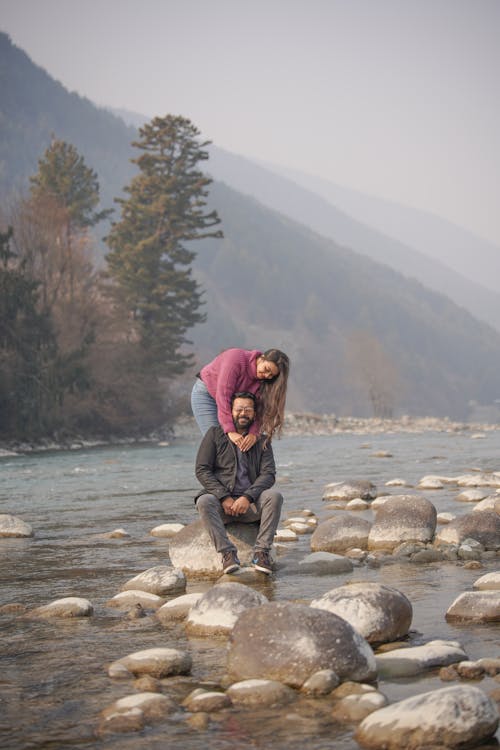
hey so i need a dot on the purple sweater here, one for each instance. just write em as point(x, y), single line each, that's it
point(231, 371)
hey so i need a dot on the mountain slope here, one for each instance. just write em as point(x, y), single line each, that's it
point(299, 201)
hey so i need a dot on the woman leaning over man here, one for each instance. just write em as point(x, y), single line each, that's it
point(263, 373)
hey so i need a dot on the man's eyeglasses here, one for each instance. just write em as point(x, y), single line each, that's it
point(244, 410)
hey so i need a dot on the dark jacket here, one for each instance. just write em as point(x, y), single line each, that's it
point(216, 465)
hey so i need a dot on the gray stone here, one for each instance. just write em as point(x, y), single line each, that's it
point(12, 526)
point(159, 580)
point(350, 489)
point(451, 717)
point(341, 533)
point(134, 711)
point(178, 608)
point(219, 608)
point(354, 708)
point(379, 613)
point(403, 518)
point(69, 606)
point(192, 550)
point(484, 527)
point(321, 682)
point(206, 701)
point(475, 606)
point(157, 662)
point(490, 581)
point(290, 642)
point(323, 563)
point(130, 598)
point(405, 662)
point(268, 693)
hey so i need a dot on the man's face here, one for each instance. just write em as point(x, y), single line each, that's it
point(243, 413)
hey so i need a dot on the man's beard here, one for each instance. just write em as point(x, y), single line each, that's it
point(243, 423)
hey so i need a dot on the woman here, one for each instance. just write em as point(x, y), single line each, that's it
point(265, 374)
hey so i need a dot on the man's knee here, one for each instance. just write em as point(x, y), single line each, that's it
point(273, 500)
point(205, 503)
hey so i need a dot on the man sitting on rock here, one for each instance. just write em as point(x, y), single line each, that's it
point(237, 487)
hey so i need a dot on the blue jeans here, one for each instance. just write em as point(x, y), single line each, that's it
point(203, 406)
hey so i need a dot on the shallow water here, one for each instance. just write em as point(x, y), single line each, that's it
point(53, 678)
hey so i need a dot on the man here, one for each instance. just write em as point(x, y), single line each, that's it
point(237, 487)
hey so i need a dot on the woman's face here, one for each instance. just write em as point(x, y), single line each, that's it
point(267, 370)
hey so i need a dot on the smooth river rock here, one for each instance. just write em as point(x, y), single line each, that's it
point(178, 608)
point(490, 581)
point(452, 717)
point(341, 533)
point(475, 606)
point(157, 662)
point(134, 711)
point(69, 606)
point(128, 599)
point(403, 518)
point(325, 563)
point(12, 526)
point(217, 610)
point(484, 527)
point(268, 693)
point(290, 642)
point(405, 662)
point(192, 550)
point(350, 490)
point(159, 580)
point(379, 613)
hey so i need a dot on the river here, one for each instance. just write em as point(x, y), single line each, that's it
point(53, 678)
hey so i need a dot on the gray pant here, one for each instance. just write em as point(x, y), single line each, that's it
point(268, 510)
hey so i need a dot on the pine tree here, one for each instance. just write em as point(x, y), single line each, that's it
point(149, 259)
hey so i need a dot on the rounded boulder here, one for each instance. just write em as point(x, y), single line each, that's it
point(289, 642)
point(403, 518)
point(218, 609)
point(341, 533)
point(380, 613)
point(483, 527)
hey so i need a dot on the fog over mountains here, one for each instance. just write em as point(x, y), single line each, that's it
point(363, 315)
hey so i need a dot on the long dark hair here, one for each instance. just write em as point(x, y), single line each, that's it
point(272, 395)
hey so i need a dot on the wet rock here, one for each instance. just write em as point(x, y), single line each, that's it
point(403, 518)
point(354, 708)
point(379, 613)
point(470, 550)
point(473, 565)
point(471, 496)
point(450, 717)
point(290, 642)
point(167, 530)
point(159, 580)
point(475, 606)
point(192, 550)
point(12, 526)
point(489, 503)
point(340, 533)
point(285, 535)
point(178, 608)
point(70, 606)
point(357, 504)
point(490, 581)
point(427, 555)
point(206, 701)
point(199, 720)
point(253, 693)
point(449, 673)
point(483, 527)
point(490, 665)
point(157, 662)
point(219, 608)
point(118, 534)
point(128, 599)
point(397, 483)
point(13, 608)
point(470, 670)
point(382, 454)
point(323, 563)
point(349, 490)
point(147, 684)
point(443, 518)
point(430, 483)
point(134, 711)
point(405, 662)
point(301, 528)
point(479, 479)
point(352, 688)
point(321, 682)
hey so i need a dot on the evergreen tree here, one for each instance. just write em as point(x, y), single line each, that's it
point(149, 260)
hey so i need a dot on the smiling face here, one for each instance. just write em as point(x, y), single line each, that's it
point(266, 370)
point(243, 412)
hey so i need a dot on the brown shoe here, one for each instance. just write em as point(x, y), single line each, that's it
point(230, 561)
point(262, 561)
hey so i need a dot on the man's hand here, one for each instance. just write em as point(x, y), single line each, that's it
point(240, 506)
point(227, 506)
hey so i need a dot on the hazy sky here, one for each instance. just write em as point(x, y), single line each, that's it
point(397, 98)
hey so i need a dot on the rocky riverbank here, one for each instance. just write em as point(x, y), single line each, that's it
point(298, 423)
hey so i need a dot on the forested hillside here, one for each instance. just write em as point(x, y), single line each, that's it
point(362, 338)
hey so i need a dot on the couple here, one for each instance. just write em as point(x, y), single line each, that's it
point(237, 485)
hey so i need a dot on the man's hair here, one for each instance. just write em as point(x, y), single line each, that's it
point(242, 394)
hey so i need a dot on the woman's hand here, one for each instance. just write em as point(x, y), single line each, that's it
point(247, 442)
